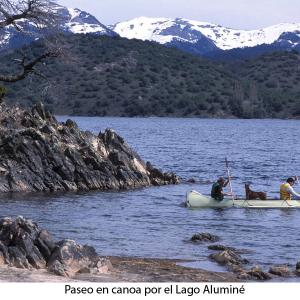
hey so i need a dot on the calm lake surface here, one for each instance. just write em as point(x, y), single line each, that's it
point(152, 222)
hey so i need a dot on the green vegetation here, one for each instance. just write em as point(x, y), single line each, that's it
point(107, 76)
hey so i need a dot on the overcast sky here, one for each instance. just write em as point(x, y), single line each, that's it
point(240, 14)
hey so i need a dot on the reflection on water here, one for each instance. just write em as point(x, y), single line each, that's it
point(152, 222)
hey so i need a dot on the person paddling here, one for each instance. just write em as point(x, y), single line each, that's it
point(217, 189)
point(286, 189)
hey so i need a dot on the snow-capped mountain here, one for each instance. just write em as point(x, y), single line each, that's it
point(78, 21)
point(200, 38)
point(71, 21)
point(178, 32)
point(194, 33)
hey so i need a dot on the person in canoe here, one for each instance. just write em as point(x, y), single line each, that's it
point(217, 189)
point(286, 189)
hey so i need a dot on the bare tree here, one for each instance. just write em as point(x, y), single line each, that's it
point(42, 13)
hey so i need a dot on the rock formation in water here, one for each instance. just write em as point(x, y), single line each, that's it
point(24, 245)
point(204, 237)
point(230, 257)
point(37, 153)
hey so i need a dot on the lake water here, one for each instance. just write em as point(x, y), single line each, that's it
point(152, 222)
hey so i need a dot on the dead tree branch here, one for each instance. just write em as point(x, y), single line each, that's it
point(28, 67)
point(40, 12)
point(43, 14)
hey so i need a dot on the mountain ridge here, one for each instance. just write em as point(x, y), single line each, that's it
point(146, 28)
point(196, 37)
point(208, 39)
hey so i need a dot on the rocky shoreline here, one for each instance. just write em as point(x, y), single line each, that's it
point(30, 254)
point(40, 154)
point(124, 269)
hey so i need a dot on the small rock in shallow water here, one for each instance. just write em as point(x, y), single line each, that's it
point(204, 237)
point(192, 180)
point(228, 257)
point(221, 248)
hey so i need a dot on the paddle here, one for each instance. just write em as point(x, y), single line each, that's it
point(229, 179)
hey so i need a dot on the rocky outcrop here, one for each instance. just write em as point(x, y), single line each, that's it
point(37, 153)
point(69, 258)
point(24, 245)
point(204, 237)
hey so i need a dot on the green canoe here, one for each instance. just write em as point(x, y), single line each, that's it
point(195, 199)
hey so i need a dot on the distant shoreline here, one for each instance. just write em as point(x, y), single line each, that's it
point(179, 117)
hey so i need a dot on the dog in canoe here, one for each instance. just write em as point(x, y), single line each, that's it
point(251, 195)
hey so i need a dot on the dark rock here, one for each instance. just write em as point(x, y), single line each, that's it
point(32, 253)
point(24, 245)
point(298, 265)
point(222, 248)
point(192, 180)
point(228, 257)
point(47, 129)
point(4, 255)
point(18, 243)
point(204, 237)
point(218, 247)
point(18, 258)
point(39, 154)
point(282, 271)
point(45, 243)
point(157, 177)
point(57, 268)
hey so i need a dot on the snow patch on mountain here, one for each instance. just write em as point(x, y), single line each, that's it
point(154, 29)
point(145, 29)
point(74, 13)
point(226, 38)
point(78, 21)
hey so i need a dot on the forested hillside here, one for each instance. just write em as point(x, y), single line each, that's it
point(112, 76)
